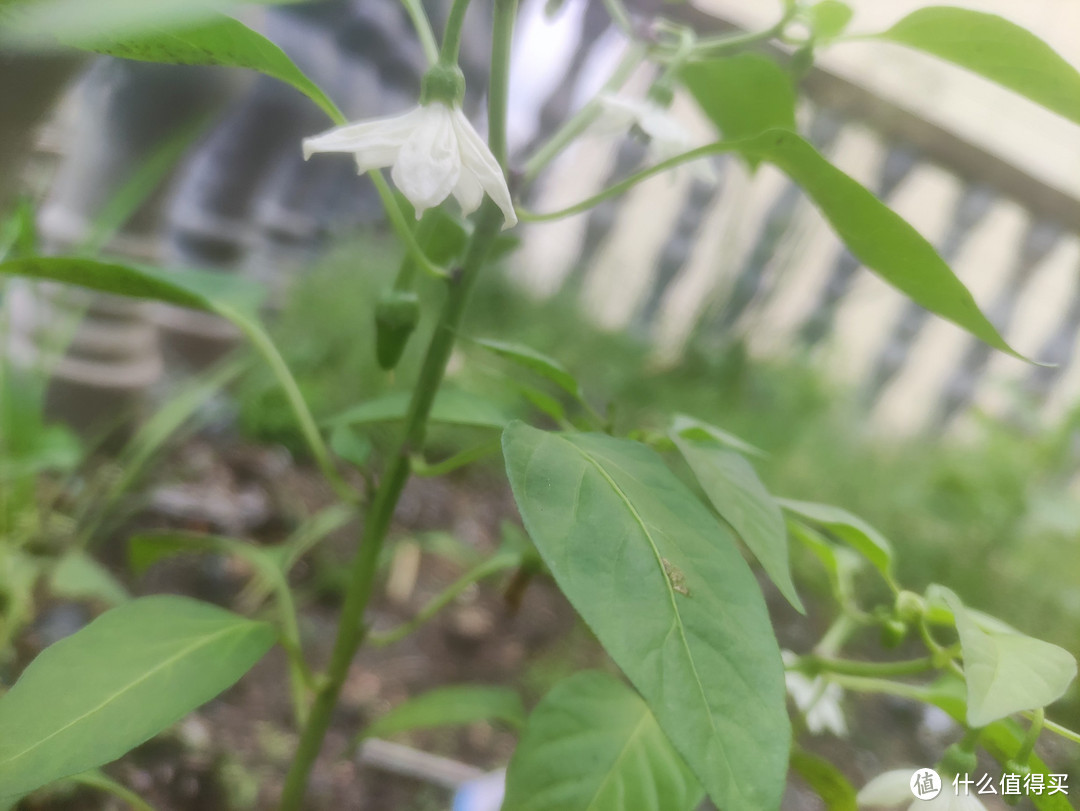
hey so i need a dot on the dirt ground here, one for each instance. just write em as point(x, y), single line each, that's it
point(233, 753)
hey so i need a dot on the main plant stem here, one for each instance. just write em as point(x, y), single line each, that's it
point(351, 629)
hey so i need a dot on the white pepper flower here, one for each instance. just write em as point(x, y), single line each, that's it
point(893, 789)
point(433, 152)
point(818, 700)
point(667, 135)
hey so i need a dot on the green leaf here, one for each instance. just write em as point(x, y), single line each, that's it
point(125, 677)
point(876, 235)
point(203, 39)
point(535, 361)
point(593, 744)
point(1007, 672)
point(825, 779)
point(691, 428)
point(996, 49)
point(146, 549)
point(78, 576)
point(662, 584)
point(451, 406)
point(840, 564)
point(743, 95)
point(828, 19)
point(196, 289)
point(849, 528)
point(41, 21)
point(451, 706)
point(351, 446)
point(1002, 739)
point(735, 490)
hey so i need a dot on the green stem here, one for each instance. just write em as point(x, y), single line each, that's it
point(421, 467)
point(837, 636)
point(422, 24)
point(814, 665)
point(1024, 753)
point(580, 121)
point(1058, 729)
point(620, 16)
point(625, 185)
point(265, 347)
point(868, 684)
point(712, 47)
point(351, 629)
point(401, 226)
point(451, 43)
point(493, 565)
point(102, 782)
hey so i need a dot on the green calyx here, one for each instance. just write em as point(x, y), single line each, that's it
point(959, 758)
point(444, 83)
point(396, 315)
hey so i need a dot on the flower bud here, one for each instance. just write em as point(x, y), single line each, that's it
point(910, 607)
point(396, 316)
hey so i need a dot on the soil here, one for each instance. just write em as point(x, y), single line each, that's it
point(233, 753)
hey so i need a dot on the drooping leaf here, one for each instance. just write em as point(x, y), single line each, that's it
point(829, 18)
point(939, 612)
point(876, 235)
point(849, 528)
point(451, 706)
point(662, 584)
point(126, 676)
point(996, 49)
point(40, 22)
point(538, 362)
point(734, 489)
point(695, 429)
point(743, 95)
point(1002, 739)
point(146, 549)
point(825, 779)
point(203, 38)
point(78, 576)
point(451, 406)
point(1007, 672)
point(840, 563)
point(593, 744)
point(196, 289)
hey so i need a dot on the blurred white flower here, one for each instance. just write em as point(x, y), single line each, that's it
point(433, 152)
point(818, 700)
point(667, 135)
point(893, 789)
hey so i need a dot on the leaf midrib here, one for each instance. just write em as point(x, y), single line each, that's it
point(126, 688)
point(667, 584)
point(638, 727)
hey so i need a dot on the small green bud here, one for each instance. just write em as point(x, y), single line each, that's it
point(958, 759)
point(910, 607)
point(396, 316)
point(893, 632)
point(445, 83)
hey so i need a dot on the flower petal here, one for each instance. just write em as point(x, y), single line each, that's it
point(886, 790)
point(428, 166)
point(468, 192)
point(477, 159)
point(377, 137)
point(617, 115)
